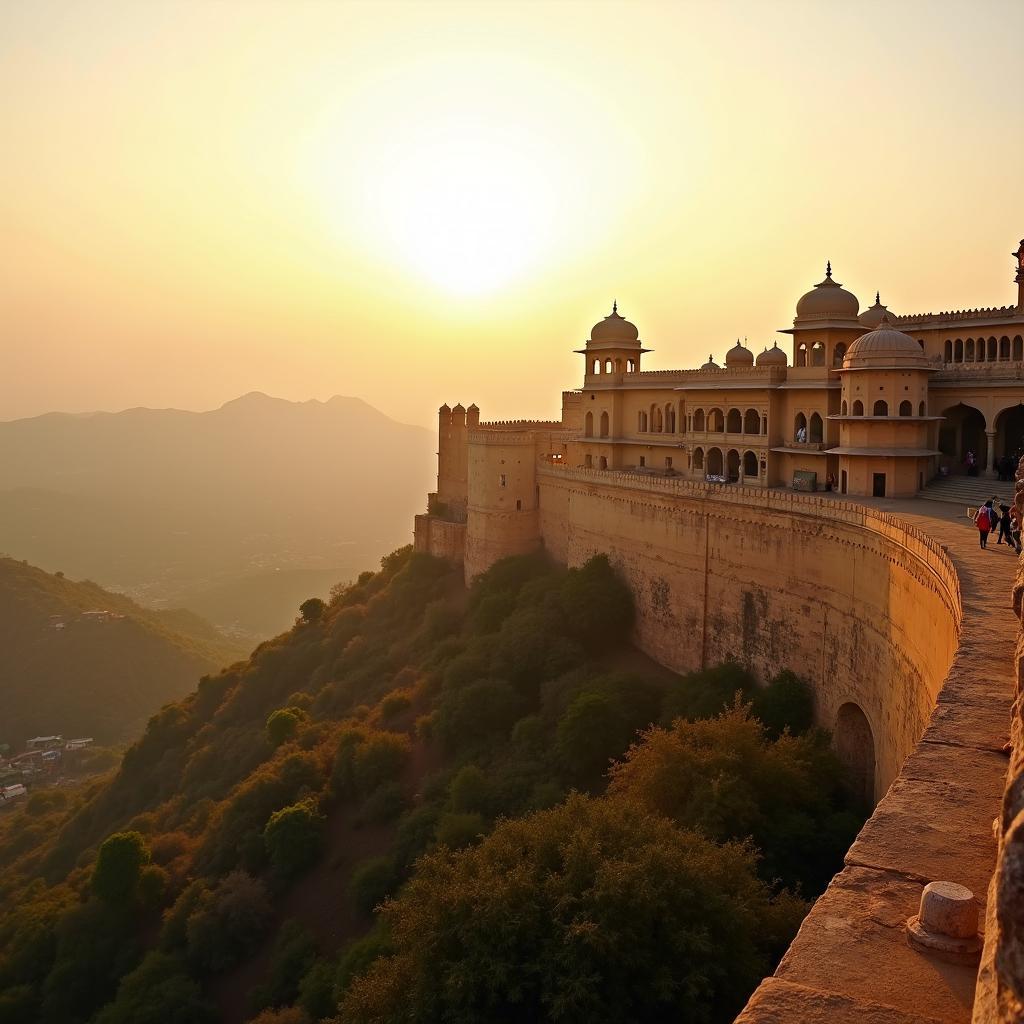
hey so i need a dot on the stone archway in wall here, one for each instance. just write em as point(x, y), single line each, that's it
point(713, 461)
point(1010, 431)
point(962, 430)
point(855, 747)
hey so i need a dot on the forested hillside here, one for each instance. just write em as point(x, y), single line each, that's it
point(422, 804)
point(79, 660)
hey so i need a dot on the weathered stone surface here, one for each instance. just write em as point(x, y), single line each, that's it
point(853, 944)
point(781, 1002)
point(949, 909)
point(931, 828)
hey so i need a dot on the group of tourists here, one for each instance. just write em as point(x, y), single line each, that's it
point(1005, 467)
point(1005, 519)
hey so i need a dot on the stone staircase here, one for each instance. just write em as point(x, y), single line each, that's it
point(967, 490)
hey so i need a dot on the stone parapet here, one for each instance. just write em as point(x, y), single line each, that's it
point(439, 537)
point(1001, 982)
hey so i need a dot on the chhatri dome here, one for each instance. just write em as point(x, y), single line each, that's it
point(828, 301)
point(615, 329)
point(885, 348)
point(872, 317)
point(711, 364)
point(739, 356)
point(773, 356)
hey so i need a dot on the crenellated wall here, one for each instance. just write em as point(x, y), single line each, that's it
point(856, 601)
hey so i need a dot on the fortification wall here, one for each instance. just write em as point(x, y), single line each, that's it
point(856, 601)
point(439, 537)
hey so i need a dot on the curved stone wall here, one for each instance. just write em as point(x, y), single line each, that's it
point(856, 601)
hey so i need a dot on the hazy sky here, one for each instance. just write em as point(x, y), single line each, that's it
point(428, 202)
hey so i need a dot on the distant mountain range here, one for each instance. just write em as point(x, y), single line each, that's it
point(77, 660)
point(213, 507)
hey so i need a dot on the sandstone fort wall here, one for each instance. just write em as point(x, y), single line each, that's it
point(860, 604)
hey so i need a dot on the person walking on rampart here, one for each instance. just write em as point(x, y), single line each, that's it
point(1005, 526)
point(1015, 528)
point(983, 521)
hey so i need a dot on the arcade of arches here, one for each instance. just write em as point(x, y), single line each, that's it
point(965, 428)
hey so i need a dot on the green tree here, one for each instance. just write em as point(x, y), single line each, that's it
point(595, 910)
point(597, 604)
point(283, 724)
point(158, 991)
point(312, 609)
point(228, 922)
point(726, 778)
point(294, 838)
point(115, 878)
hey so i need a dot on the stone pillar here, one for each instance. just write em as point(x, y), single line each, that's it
point(990, 453)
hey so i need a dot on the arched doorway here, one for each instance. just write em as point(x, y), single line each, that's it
point(1010, 431)
point(732, 465)
point(855, 748)
point(714, 461)
point(750, 465)
point(963, 430)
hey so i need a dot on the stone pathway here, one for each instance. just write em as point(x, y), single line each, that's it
point(850, 961)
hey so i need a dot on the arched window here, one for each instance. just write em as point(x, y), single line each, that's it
point(958, 351)
point(979, 352)
point(815, 429)
point(670, 418)
point(949, 351)
point(751, 422)
point(698, 419)
point(604, 424)
point(969, 351)
point(641, 422)
point(1004, 348)
point(630, 366)
point(749, 464)
point(838, 354)
point(843, 410)
point(922, 410)
point(881, 408)
point(993, 350)
point(607, 366)
point(597, 366)
point(858, 408)
point(801, 355)
point(659, 424)
point(717, 421)
point(588, 461)
point(714, 461)
point(732, 465)
point(906, 409)
point(734, 422)
point(800, 427)
point(698, 458)
point(588, 425)
point(1018, 348)
point(818, 354)
point(602, 463)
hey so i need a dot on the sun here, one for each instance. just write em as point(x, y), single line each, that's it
point(461, 190)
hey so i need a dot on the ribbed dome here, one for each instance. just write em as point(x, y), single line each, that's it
point(828, 301)
point(884, 347)
point(614, 328)
point(873, 316)
point(711, 364)
point(739, 356)
point(773, 356)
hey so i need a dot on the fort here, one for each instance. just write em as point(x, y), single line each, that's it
point(691, 480)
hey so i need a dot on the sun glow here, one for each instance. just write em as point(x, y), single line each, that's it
point(455, 178)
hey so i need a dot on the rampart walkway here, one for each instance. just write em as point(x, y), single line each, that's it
point(850, 961)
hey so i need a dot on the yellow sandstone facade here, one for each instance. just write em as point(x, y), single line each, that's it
point(867, 403)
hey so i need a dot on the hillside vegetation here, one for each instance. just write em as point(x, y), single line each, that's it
point(422, 804)
point(68, 669)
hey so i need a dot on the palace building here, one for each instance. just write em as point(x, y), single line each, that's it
point(869, 402)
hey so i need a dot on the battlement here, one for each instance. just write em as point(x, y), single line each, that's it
point(520, 424)
point(959, 315)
